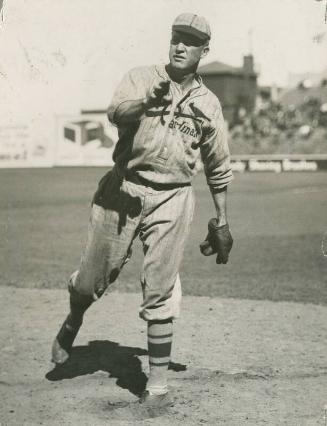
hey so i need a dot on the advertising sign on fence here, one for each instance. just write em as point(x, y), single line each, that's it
point(279, 163)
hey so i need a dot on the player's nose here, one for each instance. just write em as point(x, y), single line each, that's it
point(180, 47)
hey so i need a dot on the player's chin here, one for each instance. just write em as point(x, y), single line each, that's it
point(178, 64)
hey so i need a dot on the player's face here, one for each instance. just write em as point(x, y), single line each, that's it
point(186, 51)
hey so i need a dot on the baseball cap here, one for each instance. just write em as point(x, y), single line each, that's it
point(193, 24)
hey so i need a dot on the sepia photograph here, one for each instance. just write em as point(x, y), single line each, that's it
point(163, 220)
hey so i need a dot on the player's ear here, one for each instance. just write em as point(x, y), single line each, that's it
point(205, 50)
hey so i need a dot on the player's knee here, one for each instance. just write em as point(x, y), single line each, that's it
point(80, 299)
point(83, 295)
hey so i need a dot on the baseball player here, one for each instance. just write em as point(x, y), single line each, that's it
point(166, 119)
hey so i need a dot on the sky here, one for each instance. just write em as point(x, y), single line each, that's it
point(57, 57)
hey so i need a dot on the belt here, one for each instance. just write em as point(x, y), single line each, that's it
point(138, 180)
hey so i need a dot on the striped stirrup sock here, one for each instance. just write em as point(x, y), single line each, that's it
point(160, 336)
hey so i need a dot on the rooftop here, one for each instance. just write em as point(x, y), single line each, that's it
point(217, 67)
point(298, 96)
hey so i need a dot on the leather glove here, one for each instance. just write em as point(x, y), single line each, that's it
point(218, 240)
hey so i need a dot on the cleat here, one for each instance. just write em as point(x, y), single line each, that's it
point(148, 400)
point(146, 407)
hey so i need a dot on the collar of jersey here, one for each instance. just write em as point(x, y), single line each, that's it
point(198, 89)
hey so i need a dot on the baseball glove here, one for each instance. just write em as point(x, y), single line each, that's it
point(218, 240)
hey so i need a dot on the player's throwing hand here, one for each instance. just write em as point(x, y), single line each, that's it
point(159, 94)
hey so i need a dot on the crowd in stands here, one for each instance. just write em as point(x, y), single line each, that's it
point(278, 129)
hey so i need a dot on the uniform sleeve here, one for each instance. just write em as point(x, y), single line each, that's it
point(215, 153)
point(132, 87)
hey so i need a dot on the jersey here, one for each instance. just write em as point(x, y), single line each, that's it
point(165, 144)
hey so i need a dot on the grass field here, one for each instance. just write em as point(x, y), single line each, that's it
point(277, 221)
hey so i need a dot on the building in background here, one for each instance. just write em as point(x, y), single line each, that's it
point(236, 87)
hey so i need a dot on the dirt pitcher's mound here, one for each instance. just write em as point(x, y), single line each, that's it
point(235, 362)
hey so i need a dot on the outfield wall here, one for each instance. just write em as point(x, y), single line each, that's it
point(89, 140)
point(63, 140)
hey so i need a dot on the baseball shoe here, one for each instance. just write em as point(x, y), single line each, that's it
point(148, 400)
point(62, 345)
point(147, 406)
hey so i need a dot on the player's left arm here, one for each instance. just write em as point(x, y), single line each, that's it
point(219, 197)
point(216, 160)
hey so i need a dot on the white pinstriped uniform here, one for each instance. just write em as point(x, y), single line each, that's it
point(149, 192)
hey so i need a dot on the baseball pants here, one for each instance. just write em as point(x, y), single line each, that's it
point(161, 219)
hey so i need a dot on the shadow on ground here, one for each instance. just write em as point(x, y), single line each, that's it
point(121, 362)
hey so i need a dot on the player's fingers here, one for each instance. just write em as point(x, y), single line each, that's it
point(164, 84)
point(167, 99)
point(156, 92)
point(162, 88)
point(152, 96)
